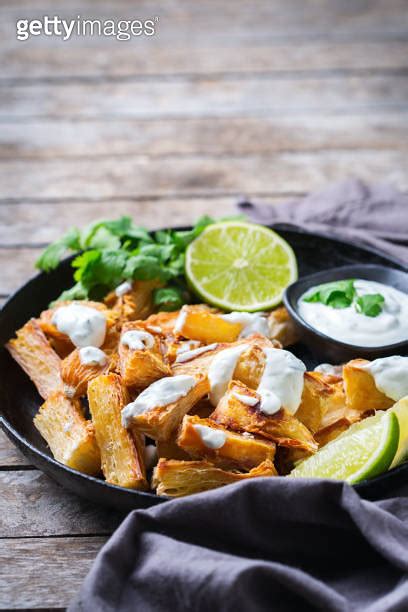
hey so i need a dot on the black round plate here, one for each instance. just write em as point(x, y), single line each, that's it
point(20, 400)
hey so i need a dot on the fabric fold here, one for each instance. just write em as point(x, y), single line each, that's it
point(279, 544)
point(376, 216)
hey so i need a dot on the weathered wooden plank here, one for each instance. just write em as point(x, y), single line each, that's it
point(44, 572)
point(35, 223)
point(61, 138)
point(10, 456)
point(141, 177)
point(204, 98)
point(256, 18)
point(160, 58)
point(34, 505)
point(17, 265)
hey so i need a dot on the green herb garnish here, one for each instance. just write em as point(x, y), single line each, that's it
point(338, 294)
point(342, 294)
point(370, 305)
point(110, 252)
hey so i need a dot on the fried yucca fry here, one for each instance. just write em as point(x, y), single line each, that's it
point(163, 321)
point(201, 323)
point(237, 451)
point(282, 327)
point(61, 341)
point(76, 375)
point(178, 347)
point(69, 435)
point(202, 409)
point(159, 422)
point(361, 393)
point(250, 364)
point(136, 304)
point(35, 356)
point(122, 454)
point(178, 478)
point(140, 368)
point(281, 427)
point(322, 395)
point(169, 449)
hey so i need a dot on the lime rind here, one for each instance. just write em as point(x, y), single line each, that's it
point(381, 460)
point(365, 450)
point(213, 266)
point(401, 411)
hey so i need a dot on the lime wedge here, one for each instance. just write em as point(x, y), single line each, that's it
point(365, 450)
point(240, 266)
point(401, 410)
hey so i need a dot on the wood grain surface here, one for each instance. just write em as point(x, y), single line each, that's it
point(261, 98)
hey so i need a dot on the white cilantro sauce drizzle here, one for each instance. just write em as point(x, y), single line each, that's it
point(85, 326)
point(160, 393)
point(211, 437)
point(390, 375)
point(137, 340)
point(252, 322)
point(90, 355)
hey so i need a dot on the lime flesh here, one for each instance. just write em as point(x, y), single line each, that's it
point(365, 450)
point(240, 266)
point(401, 411)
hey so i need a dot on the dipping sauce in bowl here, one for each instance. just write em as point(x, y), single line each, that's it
point(352, 317)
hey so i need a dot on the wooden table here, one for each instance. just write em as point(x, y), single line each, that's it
point(259, 97)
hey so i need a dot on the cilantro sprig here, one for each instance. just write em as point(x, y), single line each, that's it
point(342, 294)
point(110, 252)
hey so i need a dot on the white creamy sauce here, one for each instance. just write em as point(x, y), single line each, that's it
point(282, 381)
point(211, 438)
point(221, 371)
point(180, 321)
point(85, 326)
point(270, 402)
point(123, 288)
point(188, 355)
point(90, 355)
point(150, 456)
point(137, 340)
point(160, 393)
point(390, 375)
point(249, 400)
point(189, 345)
point(154, 328)
point(328, 368)
point(246, 434)
point(352, 327)
point(252, 322)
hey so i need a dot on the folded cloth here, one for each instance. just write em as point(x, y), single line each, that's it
point(375, 215)
point(266, 544)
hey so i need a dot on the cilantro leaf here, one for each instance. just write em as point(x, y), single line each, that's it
point(53, 254)
point(77, 292)
point(338, 294)
point(99, 271)
point(370, 305)
point(145, 267)
point(168, 298)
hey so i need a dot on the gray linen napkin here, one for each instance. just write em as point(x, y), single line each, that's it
point(375, 215)
point(267, 544)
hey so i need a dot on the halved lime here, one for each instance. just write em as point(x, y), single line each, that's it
point(365, 450)
point(401, 411)
point(240, 266)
